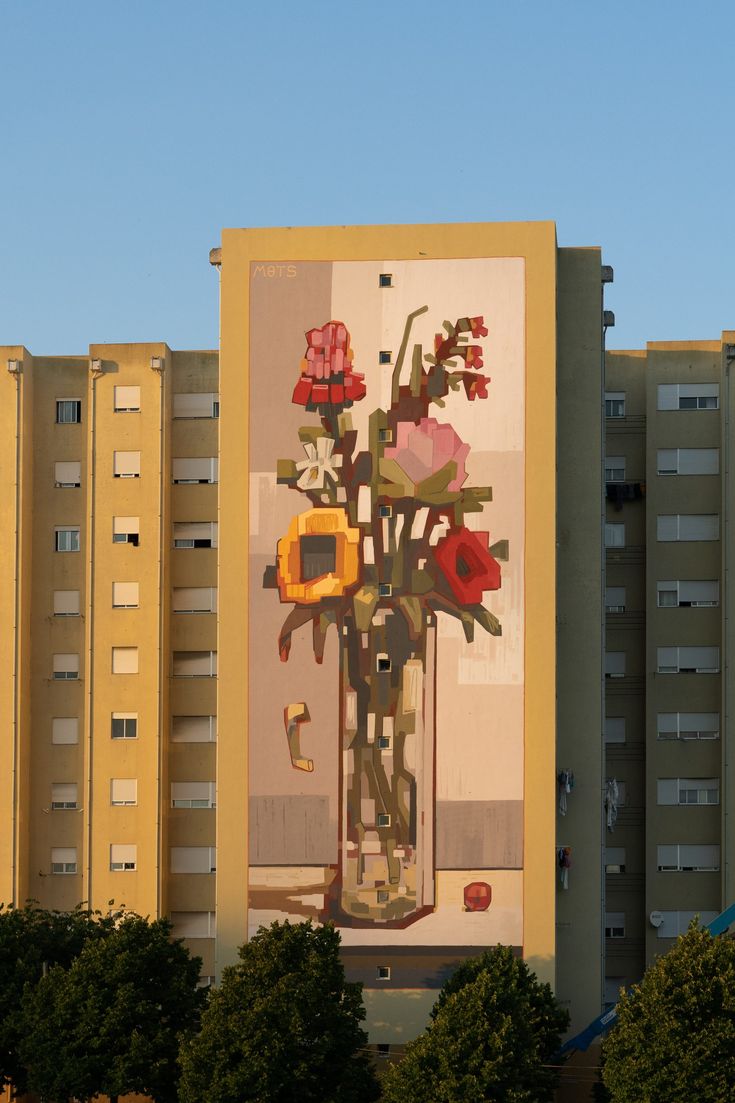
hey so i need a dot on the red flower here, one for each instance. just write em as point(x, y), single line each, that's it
point(475, 385)
point(467, 565)
point(327, 382)
point(472, 356)
point(477, 326)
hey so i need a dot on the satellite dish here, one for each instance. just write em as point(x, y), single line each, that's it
point(656, 919)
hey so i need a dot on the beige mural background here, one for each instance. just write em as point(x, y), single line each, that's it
point(480, 722)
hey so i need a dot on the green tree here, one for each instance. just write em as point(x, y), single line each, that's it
point(31, 940)
point(675, 1036)
point(111, 1023)
point(494, 1030)
point(284, 1025)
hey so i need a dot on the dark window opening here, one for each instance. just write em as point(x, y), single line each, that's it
point(318, 556)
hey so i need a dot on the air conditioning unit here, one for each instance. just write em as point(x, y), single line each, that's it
point(14, 367)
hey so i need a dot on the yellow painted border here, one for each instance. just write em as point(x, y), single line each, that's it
point(536, 242)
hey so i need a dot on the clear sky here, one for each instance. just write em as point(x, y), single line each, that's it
point(133, 132)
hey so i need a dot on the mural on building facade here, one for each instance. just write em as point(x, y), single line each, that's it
point(396, 541)
point(382, 551)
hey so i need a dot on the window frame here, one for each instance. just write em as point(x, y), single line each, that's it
point(77, 402)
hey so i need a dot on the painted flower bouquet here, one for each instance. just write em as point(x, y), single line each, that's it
point(381, 551)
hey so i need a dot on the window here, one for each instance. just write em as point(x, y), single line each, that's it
point(383, 664)
point(383, 742)
point(200, 469)
point(614, 403)
point(383, 1049)
point(383, 819)
point(126, 465)
point(66, 539)
point(66, 603)
point(68, 473)
point(383, 972)
point(125, 660)
point(615, 599)
point(688, 526)
point(63, 795)
point(195, 534)
point(63, 859)
point(123, 857)
point(65, 730)
point(195, 599)
point(688, 790)
point(193, 794)
point(384, 356)
point(68, 411)
point(614, 924)
point(676, 923)
point(195, 664)
point(123, 791)
point(199, 405)
point(688, 461)
point(615, 535)
point(194, 729)
point(614, 664)
point(385, 279)
point(615, 729)
point(193, 859)
point(124, 725)
point(688, 725)
point(615, 469)
point(612, 990)
point(698, 594)
point(385, 511)
point(65, 668)
point(614, 859)
point(688, 396)
point(688, 660)
point(125, 595)
point(385, 589)
point(127, 400)
point(194, 924)
point(126, 530)
point(687, 858)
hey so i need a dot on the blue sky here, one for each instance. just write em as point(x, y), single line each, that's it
point(132, 133)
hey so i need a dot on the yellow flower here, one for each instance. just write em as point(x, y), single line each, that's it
point(319, 557)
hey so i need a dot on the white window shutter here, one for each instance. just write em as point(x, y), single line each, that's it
point(65, 729)
point(667, 790)
point(126, 464)
point(68, 473)
point(125, 526)
point(127, 398)
point(124, 790)
point(66, 603)
point(125, 595)
point(668, 396)
point(125, 660)
point(193, 729)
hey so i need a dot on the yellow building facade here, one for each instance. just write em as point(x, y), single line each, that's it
point(155, 742)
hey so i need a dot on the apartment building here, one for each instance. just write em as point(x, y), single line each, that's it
point(108, 607)
point(668, 687)
point(210, 728)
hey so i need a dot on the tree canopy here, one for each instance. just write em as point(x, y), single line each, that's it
point(31, 940)
point(283, 1025)
point(675, 1035)
point(111, 1023)
point(494, 1029)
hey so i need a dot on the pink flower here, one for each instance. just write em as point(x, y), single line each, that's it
point(424, 449)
